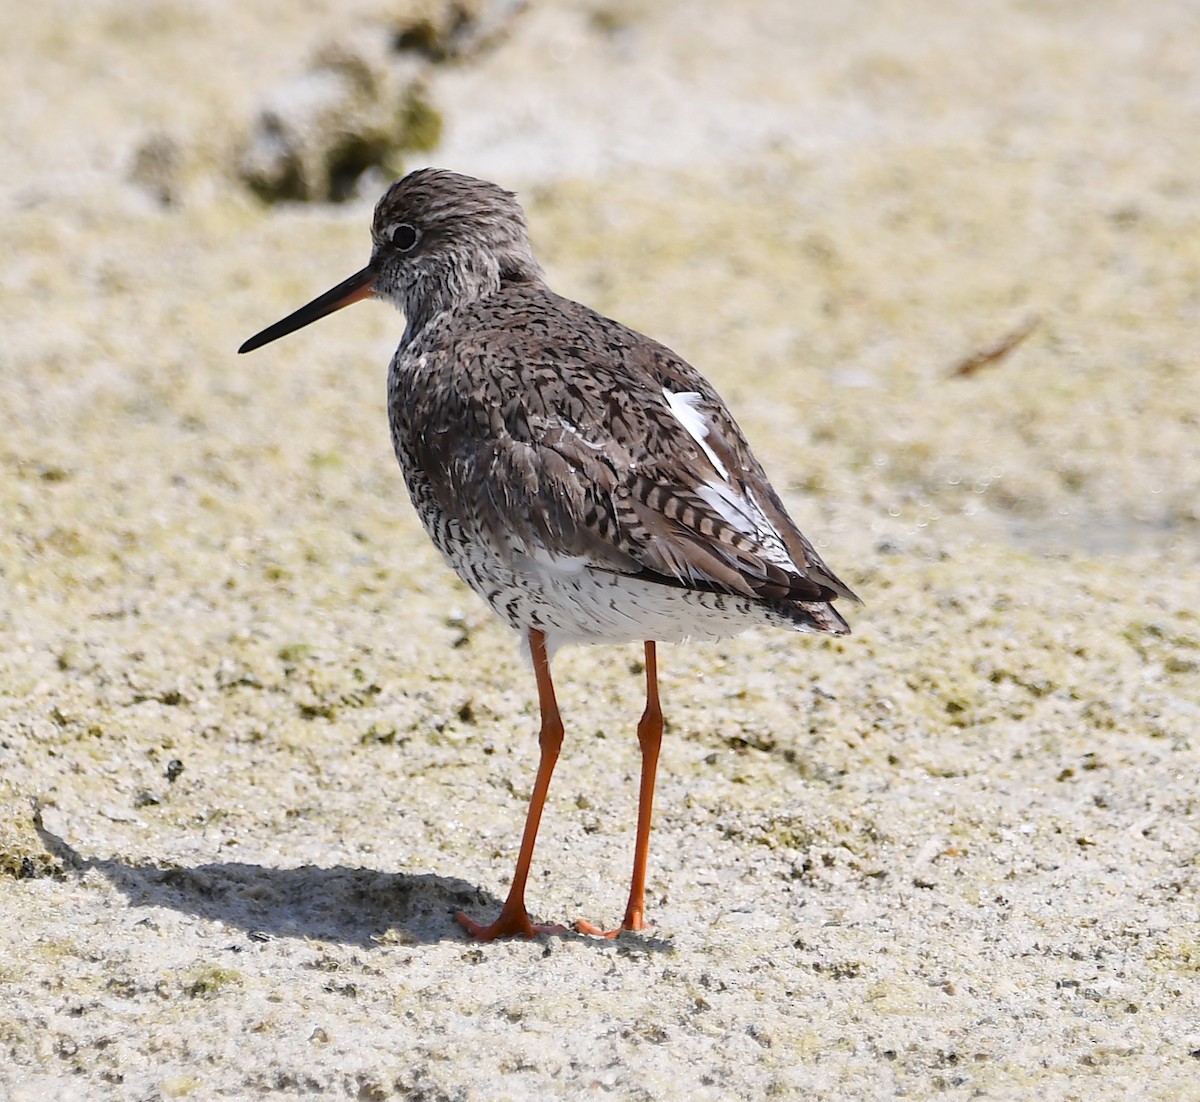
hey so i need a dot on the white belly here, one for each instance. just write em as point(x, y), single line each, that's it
point(573, 603)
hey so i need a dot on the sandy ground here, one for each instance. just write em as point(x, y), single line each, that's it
point(275, 744)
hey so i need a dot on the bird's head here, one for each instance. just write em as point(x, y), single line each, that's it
point(439, 241)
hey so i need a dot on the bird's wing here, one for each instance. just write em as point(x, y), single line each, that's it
point(625, 460)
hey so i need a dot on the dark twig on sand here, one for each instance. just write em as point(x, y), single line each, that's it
point(995, 352)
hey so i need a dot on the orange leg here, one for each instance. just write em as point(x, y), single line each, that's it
point(513, 918)
point(650, 730)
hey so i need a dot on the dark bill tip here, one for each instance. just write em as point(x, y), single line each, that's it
point(357, 287)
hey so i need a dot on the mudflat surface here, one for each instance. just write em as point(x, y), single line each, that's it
point(275, 744)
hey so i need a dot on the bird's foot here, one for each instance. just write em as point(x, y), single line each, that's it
point(512, 922)
point(635, 924)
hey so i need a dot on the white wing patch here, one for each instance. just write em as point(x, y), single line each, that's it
point(738, 507)
point(740, 510)
point(686, 407)
point(732, 508)
point(745, 515)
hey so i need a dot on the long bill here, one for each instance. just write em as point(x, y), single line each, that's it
point(359, 286)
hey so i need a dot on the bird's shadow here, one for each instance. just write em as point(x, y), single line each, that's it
point(339, 905)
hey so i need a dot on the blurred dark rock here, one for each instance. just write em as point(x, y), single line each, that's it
point(456, 31)
point(364, 104)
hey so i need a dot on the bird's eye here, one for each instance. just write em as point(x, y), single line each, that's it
point(405, 237)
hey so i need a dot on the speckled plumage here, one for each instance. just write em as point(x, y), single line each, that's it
point(588, 483)
point(545, 458)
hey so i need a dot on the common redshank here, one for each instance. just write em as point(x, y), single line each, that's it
point(584, 480)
